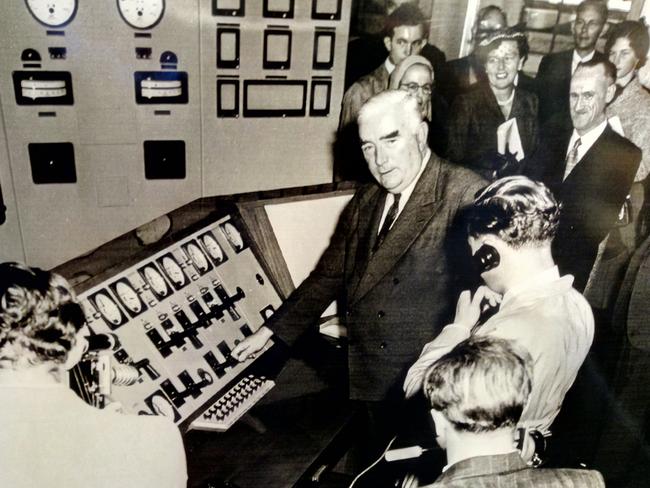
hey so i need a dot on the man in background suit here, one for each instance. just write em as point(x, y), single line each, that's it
point(590, 169)
point(555, 70)
point(477, 393)
point(367, 53)
point(387, 261)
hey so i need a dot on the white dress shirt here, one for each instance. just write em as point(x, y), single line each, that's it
point(405, 195)
point(577, 59)
point(549, 319)
point(587, 140)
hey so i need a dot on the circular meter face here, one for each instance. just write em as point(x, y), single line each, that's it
point(141, 14)
point(198, 257)
point(108, 308)
point(52, 13)
point(213, 247)
point(128, 297)
point(156, 281)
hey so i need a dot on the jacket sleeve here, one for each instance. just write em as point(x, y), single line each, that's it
point(325, 283)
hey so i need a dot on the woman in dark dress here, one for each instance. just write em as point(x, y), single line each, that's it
point(476, 115)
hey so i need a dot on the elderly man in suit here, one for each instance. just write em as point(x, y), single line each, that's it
point(387, 261)
point(589, 167)
point(555, 70)
point(477, 392)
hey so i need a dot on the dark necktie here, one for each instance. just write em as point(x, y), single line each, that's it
point(388, 221)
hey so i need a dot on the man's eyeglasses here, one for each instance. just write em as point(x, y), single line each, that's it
point(413, 88)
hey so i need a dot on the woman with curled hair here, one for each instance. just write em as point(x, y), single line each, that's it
point(49, 436)
point(476, 115)
point(39, 319)
point(627, 48)
point(415, 75)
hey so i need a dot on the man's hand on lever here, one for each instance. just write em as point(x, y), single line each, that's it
point(251, 345)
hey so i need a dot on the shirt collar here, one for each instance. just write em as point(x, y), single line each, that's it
point(586, 140)
point(390, 67)
point(541, 279)
point(406, 194)
point(577, 59)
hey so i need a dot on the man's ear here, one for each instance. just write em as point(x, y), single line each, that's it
point(388, 43)
point(521, 64)
point(611, 91)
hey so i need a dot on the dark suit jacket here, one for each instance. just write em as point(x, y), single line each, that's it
point(591, 196)
point(396, 299)
point(473, 122)
point(553, 83)
point(509, 471)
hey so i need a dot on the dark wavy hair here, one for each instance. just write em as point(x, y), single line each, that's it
point(39, 316)
point(635, 32)
point(516, 209)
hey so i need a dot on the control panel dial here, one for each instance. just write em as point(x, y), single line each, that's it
point(141, 14)
point(52, 13)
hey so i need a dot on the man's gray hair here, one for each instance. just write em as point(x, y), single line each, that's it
point(392, 99)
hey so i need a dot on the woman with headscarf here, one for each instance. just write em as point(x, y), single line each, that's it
point(477, 114)
point(415, 75)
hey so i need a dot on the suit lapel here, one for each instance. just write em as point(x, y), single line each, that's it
point(370, 212)
point(418, 211)
point(583, 172)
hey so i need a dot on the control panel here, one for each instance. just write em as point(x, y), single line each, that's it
point(177, 315)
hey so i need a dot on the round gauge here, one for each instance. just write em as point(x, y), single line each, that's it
point(128, 297)
point(173, 270)
point(108, 308)
point(198, 257)
point(213, 247)
point(161, 406)
point(52, 13)
point(233, 236)
point(141, 14)
point(156, 281)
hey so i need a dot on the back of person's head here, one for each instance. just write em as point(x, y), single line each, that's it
point(481, 385)
point(593, 65)
point(39, 317)
point(488, 20)
point(599, 5)
point(406, 14)
point(519, 211)
point(636, 33)
point(401, 103)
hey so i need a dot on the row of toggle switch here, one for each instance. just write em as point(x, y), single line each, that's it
point(235, 403)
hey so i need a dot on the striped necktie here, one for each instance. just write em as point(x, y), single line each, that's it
point(572, 158)
point(388, 221)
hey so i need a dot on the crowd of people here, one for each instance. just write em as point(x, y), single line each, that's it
point(492, 205)
point(565, 153)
